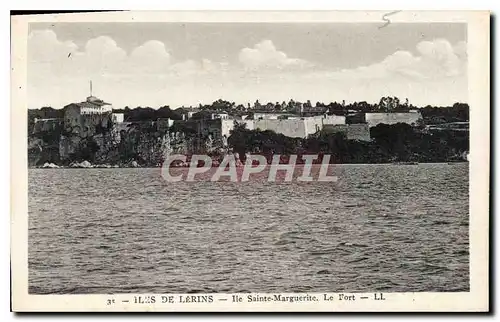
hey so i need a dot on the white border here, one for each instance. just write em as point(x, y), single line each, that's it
point(478, 48)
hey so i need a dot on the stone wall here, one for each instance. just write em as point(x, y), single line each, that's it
point(373, 119)
point(316, 123)
point(46, 125)
point(290, 128)
point(86, 125)
point(228, 125)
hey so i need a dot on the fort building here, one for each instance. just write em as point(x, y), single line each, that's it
point(373, 119)
point(82, 117)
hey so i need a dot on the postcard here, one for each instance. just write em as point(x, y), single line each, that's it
point(244, 161)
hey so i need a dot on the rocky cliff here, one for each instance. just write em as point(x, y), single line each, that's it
point(144, 143)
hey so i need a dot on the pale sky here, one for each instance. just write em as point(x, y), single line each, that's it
point(156, 64)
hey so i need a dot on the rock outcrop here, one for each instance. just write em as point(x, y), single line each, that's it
point(50, 165)
point(122, 144)
point(83, 164)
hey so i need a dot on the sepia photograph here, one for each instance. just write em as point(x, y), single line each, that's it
point(271, 161)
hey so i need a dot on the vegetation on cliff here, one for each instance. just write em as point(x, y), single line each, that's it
point(390, 143)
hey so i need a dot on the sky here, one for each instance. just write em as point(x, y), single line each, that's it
point(183, 64)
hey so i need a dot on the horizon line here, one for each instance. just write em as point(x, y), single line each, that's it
point(313, 104)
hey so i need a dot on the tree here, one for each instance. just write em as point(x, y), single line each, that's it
point(389, 104)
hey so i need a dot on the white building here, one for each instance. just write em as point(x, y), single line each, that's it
point(270, 115)
point(93, 105)
point(84, 116)
point(292, 127)
point(373, 119)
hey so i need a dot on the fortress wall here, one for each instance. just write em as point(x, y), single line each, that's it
point(334, 119)
point(374, 119)
point(296, 127)
point(290, 128)
point(228, 125)
point(316, 123)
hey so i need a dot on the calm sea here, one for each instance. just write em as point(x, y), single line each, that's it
point(378, 228)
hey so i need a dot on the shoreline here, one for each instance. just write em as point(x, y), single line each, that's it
point(110, 167)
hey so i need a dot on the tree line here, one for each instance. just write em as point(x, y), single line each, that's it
point(458, 112)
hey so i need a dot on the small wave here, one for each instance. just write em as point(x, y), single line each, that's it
point(90, 270)
point(74, 290)
point(323, 251)
point(115, 226)
point(271, 227)
point(292, 234)
point(386, 287)
point(441, 222)
point(205, 220)
point(301, 289)
point(218, 279)
point(351, 244)
point(358, 260)
point(284, 242)
point(462, 252)
point(88, 225)
point(428, 268)
point(251, 250)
